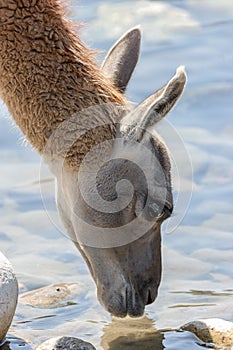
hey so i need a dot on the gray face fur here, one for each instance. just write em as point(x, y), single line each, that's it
point(121, 243)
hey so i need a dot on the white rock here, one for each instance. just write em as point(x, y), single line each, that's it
point(65, 343)
point(213, 330)
point(8, 295)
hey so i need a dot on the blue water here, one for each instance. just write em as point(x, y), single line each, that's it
point(197, 256)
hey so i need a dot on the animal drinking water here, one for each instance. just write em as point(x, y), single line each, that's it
point(112, 171)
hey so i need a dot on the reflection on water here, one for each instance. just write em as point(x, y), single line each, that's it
point(228, 292)
point(197, 257)
point(132, 334)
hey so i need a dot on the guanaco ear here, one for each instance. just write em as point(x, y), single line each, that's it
point(154, 108)
point(122, 58)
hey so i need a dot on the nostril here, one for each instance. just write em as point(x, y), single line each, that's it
point(150, 297)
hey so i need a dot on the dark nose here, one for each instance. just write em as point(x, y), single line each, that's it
point(129, 301)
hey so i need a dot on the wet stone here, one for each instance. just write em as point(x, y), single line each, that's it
point(52, 296)
point(65, 343)
point(214, 330)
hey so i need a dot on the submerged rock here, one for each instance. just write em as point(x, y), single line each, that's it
point(53, 296)
point(8, 295)
point(13, 342)
point(65, 343)
point(213, 330)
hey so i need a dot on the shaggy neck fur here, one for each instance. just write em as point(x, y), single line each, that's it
point(46, 74)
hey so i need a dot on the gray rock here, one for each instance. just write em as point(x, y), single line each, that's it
point(8, 295)
point(213, 330)
point(65, 343)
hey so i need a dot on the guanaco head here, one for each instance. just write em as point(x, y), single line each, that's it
point(117, 214)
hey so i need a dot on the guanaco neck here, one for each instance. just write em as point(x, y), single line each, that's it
point(46, 73)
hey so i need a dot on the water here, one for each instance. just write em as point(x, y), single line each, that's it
point(197, 258)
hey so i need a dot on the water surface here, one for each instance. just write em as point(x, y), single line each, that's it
point(197, 257)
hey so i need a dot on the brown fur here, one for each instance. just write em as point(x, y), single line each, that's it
point(47, 75)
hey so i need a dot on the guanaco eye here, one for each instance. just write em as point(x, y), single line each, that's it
point(154, 211)
point(167, 211)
